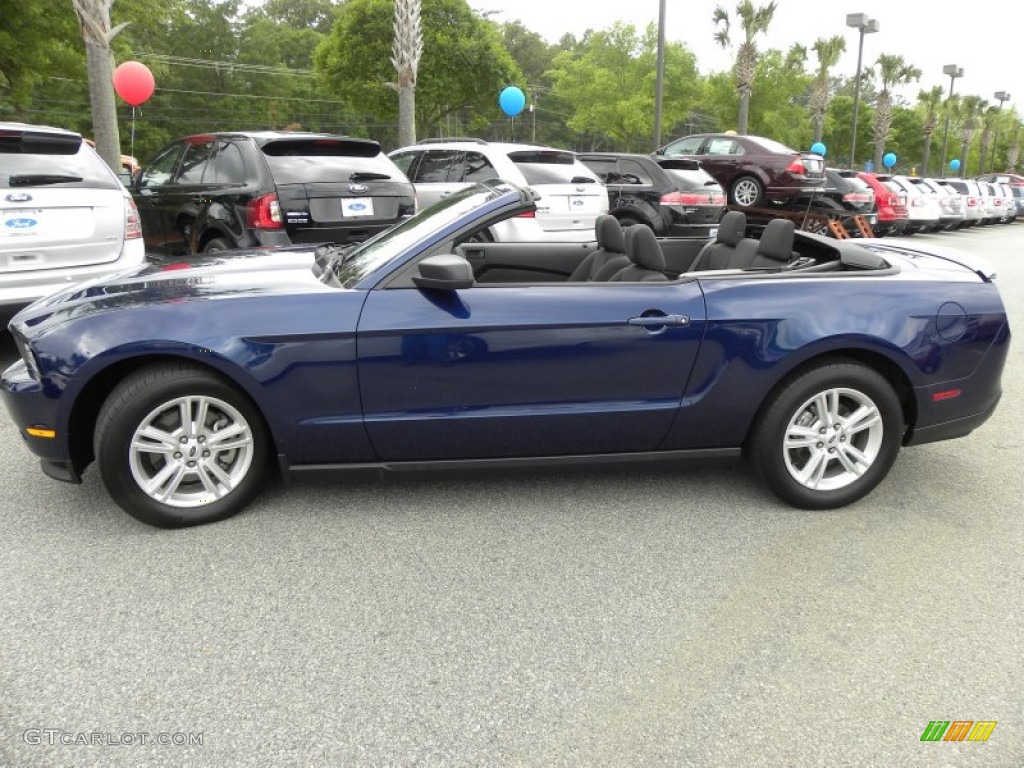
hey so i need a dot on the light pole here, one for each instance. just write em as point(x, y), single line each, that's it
point(866, 26)
point(954, 72)
point(659, 74)
point(1001, 96)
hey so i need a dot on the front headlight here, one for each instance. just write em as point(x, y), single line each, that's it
point(26, 354)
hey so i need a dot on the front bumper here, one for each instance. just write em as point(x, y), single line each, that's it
point(29, 406)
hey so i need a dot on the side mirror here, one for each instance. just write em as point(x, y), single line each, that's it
point(446, 272)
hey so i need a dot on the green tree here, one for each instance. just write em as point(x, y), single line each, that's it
point(893, 71)
point(778, 107)
point(969, 111)
point(753, 22)
point(608, 84)
point(929, 103)
point(828, 52)
point(988, 124)
point(463, 69)
point(35, 45)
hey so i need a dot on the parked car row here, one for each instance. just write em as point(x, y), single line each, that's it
point(909, 204)
point(221, 191)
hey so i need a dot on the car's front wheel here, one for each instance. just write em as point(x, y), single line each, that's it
point(178, 446)
point(828, 436)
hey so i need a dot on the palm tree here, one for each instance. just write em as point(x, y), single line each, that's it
point(1014, 152)
point(754, 21)
point(931, 101)
point(893, 71)
point(828, 52)
point(94, 21)
point(988, 123)
point(970, 108)
point(405, 58)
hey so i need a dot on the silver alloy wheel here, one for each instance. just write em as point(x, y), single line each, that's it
point(746, 192)
point(833, 439)
point(191, 451)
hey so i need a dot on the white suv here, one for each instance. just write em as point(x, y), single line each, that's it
point(64, 216)
point(571, 197)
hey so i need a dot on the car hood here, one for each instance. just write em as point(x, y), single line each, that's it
point(231, 274)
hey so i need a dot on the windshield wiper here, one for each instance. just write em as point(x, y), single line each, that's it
point(368, 176)
point(33, 179)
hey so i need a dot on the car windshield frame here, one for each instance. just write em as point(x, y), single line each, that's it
point(351, 266)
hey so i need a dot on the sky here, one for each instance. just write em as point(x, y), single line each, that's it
point(921, 31)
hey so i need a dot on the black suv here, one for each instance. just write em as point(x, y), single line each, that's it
point(673, 196)
point(214, 192)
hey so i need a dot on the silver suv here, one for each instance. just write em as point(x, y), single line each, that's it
point(571, 197)
point(64, 216)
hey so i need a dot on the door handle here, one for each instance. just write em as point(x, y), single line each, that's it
point(655, 321)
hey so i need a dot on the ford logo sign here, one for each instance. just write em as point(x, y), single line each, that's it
point(18, 197)
point(357, 188)
point(357, 207)
point(20, 223)
point(577, 202)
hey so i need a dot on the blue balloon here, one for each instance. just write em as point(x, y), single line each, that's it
point(889, 160)
point(818, 148)
point(512, 100)
point(954, 164)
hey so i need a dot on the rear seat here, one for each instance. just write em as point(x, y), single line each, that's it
point(774, 249)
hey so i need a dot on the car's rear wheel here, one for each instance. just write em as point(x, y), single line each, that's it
point(217, 245)
point(828, 435)
point(746, 192)
point(178, 446)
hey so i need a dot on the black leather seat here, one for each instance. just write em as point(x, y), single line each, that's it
point(610, 256)
point(647, 262)
point(774, 249)
point(731, 231)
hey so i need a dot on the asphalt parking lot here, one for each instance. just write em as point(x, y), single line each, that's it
point(624, 617)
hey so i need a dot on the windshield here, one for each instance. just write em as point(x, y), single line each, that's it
point(353, 265)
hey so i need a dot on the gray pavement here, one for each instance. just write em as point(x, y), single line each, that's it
point(621, 617)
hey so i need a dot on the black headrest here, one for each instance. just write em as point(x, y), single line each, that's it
point(777, 240)
point(732, 228)
point(609, 234)
point(643, 249)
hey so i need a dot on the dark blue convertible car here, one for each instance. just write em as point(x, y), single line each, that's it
point(188, 383)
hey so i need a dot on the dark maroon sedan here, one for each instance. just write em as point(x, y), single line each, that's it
point(754, 170)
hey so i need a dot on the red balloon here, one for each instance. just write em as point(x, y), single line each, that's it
point(134, 82)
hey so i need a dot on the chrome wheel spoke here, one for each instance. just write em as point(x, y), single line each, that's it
point(216, 439)
point(212, 468)
point(849, 462)
point(861, 419)
point(801, 437)
point(811, 473)
point(153, 440)
point(242, 442)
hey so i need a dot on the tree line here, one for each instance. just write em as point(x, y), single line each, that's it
point(326, 65)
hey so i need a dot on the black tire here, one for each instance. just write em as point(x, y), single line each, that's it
point(150, 396)
point(792, 411)
point(481, 236)
point(217, 245)
point(747, 192)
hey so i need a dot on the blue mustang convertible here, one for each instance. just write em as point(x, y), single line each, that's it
point(429, 346)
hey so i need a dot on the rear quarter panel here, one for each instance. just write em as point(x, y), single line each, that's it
point(761, 330)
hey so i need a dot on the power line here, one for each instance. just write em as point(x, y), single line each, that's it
point(262, 69)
